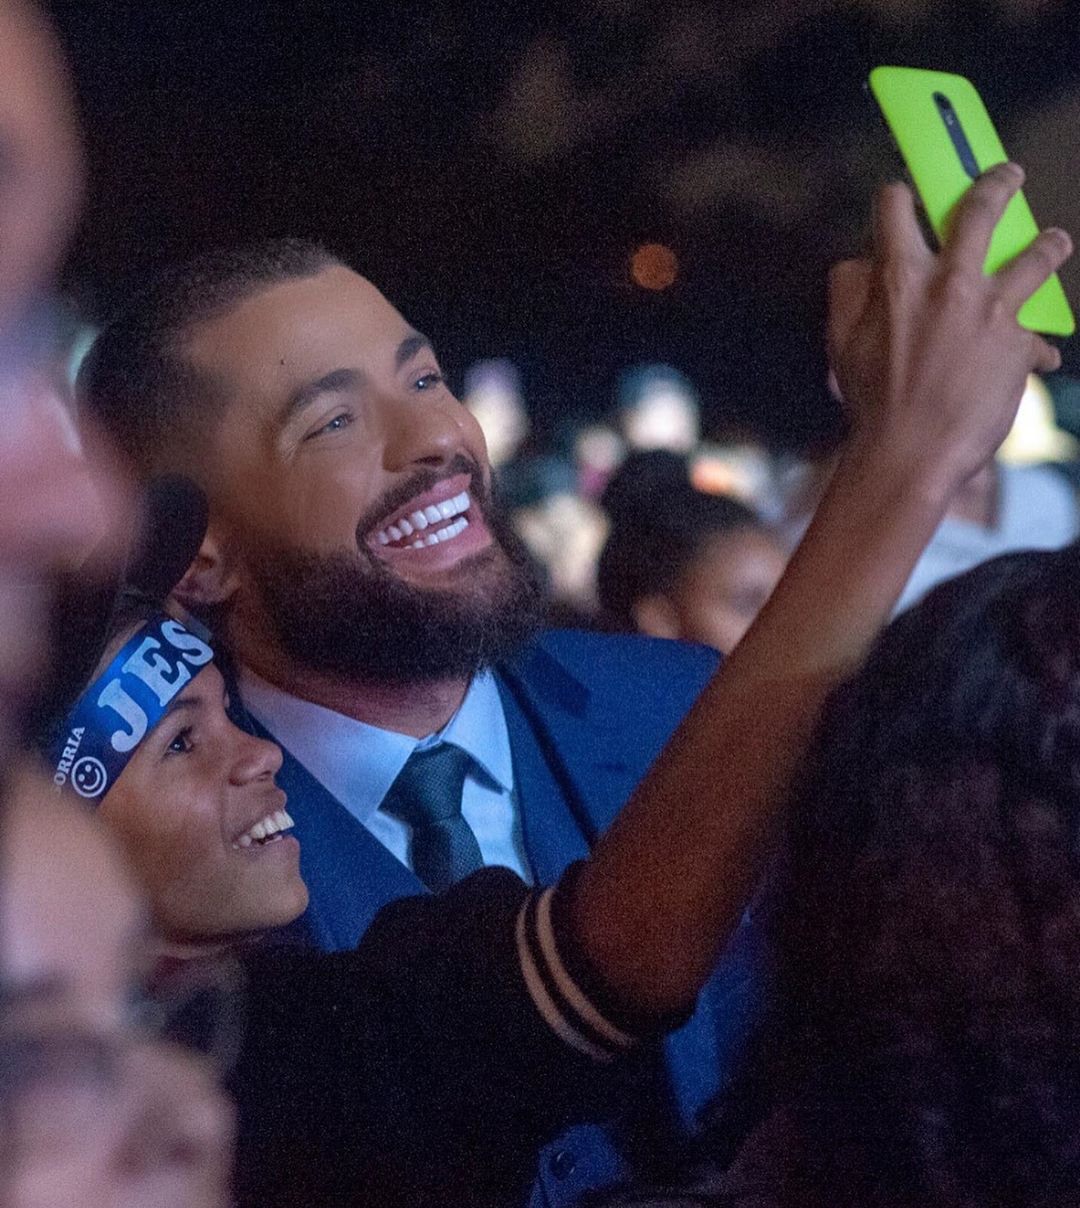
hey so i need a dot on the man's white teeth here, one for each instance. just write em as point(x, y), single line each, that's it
point(446, 534)
point(265, 828)
point(434, 513)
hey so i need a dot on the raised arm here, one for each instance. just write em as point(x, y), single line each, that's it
point(931, 359)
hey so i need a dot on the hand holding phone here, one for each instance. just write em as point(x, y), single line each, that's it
point(947, 140)
point(926, 347)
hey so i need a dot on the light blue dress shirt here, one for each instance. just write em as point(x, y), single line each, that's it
point(358, 763)
point(1036, 509)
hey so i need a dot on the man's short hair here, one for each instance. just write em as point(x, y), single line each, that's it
point(156, 406)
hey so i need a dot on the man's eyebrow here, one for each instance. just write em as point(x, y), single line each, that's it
point(337, 381)
point(409, 347)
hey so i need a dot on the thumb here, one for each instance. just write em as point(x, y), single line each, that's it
point(1045, 358)
point(849, 293)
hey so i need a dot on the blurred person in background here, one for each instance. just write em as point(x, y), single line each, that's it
point(679, 562)
point(598, 452)
point(493, 396)
point(562, 530)
point(658, 408)
point(1016, 502)
point(926, 1046)
point(1009, 504)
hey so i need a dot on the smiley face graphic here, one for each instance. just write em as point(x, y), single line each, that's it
point(88, 777)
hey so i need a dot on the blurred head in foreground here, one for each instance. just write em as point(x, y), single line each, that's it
point(93, 1109)
point(53, 506)
point(931, 918)
point(41, 164)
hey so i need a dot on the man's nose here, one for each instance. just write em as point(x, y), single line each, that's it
point(420, 432)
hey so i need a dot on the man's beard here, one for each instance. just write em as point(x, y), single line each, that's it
point(350, 616)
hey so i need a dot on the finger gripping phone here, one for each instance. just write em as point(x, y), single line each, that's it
point(947, 139)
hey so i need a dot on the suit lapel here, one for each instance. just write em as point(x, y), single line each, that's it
point(349, 874)
point(571, 760)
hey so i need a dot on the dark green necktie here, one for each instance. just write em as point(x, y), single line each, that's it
point(427, 796)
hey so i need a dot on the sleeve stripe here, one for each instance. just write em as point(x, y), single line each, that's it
point(577, 1021)
point(566, 985)
point(544, 1002)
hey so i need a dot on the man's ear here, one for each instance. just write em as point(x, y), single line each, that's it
point(211, 579)
point(655, 615)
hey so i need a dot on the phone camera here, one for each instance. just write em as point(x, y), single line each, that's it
point(956, 134)
point(948, 113)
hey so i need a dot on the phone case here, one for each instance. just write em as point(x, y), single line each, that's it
point(947, 138)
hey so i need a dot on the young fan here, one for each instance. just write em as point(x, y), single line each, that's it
point(189, 794)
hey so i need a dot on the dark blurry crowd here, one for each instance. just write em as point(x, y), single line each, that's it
point(393, 813)
point(641, 524)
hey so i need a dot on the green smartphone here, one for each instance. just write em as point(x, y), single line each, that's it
point(947, 139)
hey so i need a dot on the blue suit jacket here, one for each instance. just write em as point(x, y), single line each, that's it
point(587, 714)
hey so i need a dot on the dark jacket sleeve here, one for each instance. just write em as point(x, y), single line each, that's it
point(428, 1065)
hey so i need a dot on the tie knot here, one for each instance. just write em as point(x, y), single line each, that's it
point(428, 788)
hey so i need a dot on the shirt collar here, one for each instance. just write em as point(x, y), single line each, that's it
point(479, 729)
point(357, 762)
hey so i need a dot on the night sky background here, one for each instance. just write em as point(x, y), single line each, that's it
point(491, 166)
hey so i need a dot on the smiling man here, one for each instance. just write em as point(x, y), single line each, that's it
point(353, 535)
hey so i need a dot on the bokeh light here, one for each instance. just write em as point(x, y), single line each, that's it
point(1035, 436)
point(659, 409)
point(654, 266)
point(493, 395)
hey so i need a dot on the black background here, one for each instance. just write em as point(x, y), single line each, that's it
point(490, 166)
